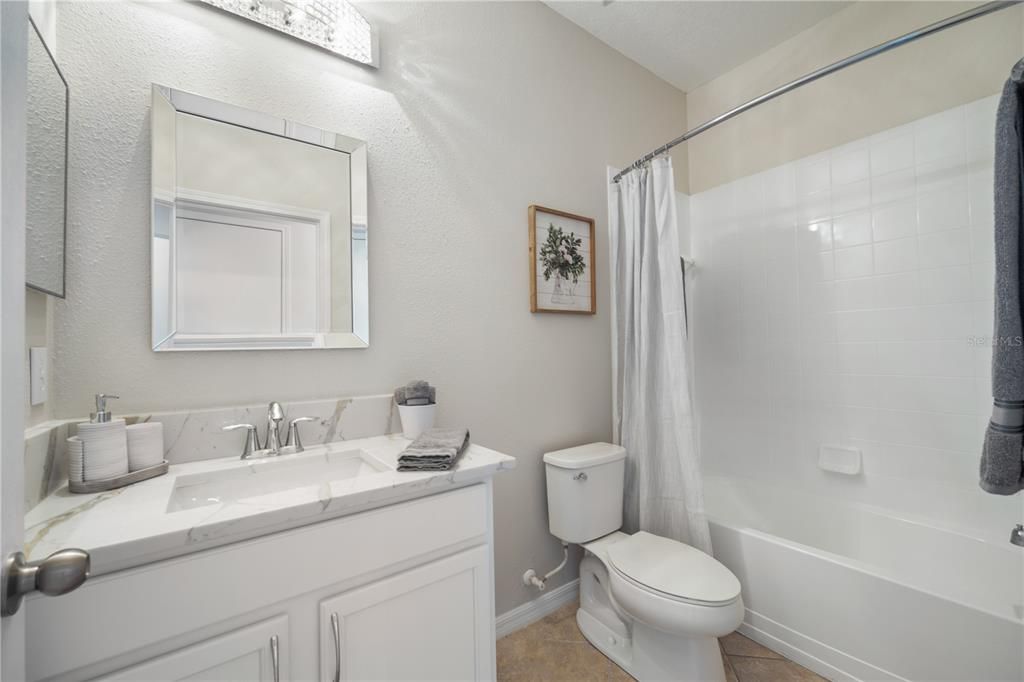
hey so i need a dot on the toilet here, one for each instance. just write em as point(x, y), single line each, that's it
point(653, 605)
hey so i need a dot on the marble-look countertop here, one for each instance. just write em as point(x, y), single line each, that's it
point(132, 526)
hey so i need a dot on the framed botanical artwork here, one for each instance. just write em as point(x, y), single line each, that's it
point(561, 262)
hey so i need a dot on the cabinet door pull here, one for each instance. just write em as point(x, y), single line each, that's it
point(336, 629)
point(276, 658)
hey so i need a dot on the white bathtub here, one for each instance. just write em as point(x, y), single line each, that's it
point(853, 592)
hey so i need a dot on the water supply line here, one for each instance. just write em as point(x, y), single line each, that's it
point(530, 577)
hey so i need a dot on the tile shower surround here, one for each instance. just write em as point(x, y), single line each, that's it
point(846, 299)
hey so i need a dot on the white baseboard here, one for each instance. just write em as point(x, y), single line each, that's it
point(828, 662)
point(532, 611)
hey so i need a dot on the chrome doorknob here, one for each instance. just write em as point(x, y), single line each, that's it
point(57, 574)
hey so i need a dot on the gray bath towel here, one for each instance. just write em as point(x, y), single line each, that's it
point(1002, 457)
point(434, 450)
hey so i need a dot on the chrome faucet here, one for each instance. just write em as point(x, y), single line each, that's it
point(272, 446)
point(275, 415)
point(1017, 535)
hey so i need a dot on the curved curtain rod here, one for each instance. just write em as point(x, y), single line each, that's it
point(949, 22)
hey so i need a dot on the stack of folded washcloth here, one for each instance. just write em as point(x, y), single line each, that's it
point(434, 450)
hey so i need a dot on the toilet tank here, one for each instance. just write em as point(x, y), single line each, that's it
point(585, 491)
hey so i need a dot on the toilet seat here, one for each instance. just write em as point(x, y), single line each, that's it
point(673, 570)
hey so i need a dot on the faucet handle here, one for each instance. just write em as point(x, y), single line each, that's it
point(293, 433)
point(252, 439)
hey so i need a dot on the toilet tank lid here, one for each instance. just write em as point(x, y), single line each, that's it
point(581, 456)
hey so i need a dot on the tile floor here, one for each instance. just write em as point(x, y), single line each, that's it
point(554, 649)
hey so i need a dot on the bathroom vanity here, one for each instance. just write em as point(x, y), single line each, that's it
point(325, 565)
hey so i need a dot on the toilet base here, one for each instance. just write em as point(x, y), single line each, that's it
point(642, 651)
point(654, 655)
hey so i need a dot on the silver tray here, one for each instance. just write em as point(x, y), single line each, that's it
point(119, 481)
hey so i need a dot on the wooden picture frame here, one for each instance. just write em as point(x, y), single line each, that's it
point(562, 276)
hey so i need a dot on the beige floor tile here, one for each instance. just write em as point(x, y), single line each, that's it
point(735, 644)
point(730, 674)
point(560, 626)
point(770, 670)
point(554, 661)
point(554, 650)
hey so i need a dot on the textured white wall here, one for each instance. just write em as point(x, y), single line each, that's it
point(478, 110)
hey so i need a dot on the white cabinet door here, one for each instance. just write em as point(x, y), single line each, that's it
point(429, 623)
point(244, 654)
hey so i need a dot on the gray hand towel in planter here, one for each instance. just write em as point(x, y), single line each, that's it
point(416, 392)
point(434, 450)
point(1002, 456)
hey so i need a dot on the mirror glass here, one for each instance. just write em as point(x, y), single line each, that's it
point(46, 168)
point(259, 230)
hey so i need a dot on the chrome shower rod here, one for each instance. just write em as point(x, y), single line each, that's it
point(949, 22)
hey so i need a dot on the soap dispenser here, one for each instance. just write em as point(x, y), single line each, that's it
point(102, 415)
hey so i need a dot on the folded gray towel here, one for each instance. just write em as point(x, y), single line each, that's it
point(434, 450)
point(1002, 457)
point(416, 392)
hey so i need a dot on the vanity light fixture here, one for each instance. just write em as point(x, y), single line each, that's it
point(334, 25)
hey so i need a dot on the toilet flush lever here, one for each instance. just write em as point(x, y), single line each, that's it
point(581, 476)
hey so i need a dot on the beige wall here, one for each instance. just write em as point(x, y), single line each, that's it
point(38, 321)
point(477, 111)
point(38, 309)
point(933, 74)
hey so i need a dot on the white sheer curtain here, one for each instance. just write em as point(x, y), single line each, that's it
point(653, 414)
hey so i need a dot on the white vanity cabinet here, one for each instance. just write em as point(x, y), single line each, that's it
point(425, 624)
point(258, 653)
point(410, 586)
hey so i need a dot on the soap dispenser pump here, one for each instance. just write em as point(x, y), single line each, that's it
point(102, 415)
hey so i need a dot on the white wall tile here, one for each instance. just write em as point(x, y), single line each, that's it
point(851, 164)
point(946, 285)
point(812, 175)
point(895, 186)
point(898, 255)
point(854, 262)
point(892, 153)
point(901, 290)
point(944, 248)
point(852, 229)
point(870, 329)
point(940, 137)
point(855, 294)
point(893, 221)
point(943, 209)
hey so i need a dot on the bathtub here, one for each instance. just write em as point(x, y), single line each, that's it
point(854, 592)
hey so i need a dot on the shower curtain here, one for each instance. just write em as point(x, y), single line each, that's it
point(653, 416)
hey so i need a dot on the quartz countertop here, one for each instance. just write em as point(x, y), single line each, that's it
point(135, 525)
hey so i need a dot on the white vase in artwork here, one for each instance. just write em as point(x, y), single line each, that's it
point(559, 293)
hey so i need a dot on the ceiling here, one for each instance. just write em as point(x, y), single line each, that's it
point(689, 43)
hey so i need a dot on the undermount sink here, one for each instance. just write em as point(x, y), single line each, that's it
point(259, 477)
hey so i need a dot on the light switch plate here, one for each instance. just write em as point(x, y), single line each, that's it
point(37, 368)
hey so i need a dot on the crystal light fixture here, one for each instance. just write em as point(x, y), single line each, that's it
point(334, 25)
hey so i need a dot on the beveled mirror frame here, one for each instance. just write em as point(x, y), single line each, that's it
point(359, 337)
point(38, 286)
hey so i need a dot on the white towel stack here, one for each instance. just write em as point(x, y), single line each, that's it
point(100, 450)
point(145, 445)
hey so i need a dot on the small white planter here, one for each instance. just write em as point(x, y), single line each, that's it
point(416, 419)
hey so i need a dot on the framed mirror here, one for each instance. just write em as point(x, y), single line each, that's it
point(259, 230)
point(46, 166)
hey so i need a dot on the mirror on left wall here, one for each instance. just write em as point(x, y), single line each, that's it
point(46, 156)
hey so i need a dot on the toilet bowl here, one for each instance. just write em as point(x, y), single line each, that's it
point(653, 605)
